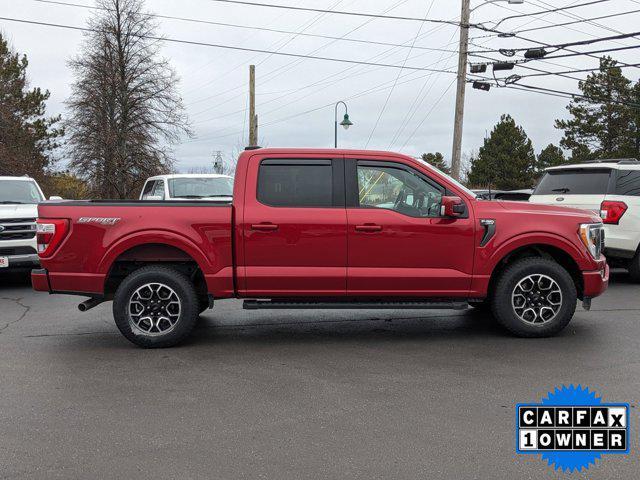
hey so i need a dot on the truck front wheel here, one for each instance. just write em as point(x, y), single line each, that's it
point(155, 306)
point(534, 297)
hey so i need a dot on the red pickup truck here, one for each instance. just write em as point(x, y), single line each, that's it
point(323, 229)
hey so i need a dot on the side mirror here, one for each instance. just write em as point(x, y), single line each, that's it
point(55, 197)
point(452, 207)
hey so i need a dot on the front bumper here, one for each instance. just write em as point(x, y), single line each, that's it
point(22, 261)
point(595, 282)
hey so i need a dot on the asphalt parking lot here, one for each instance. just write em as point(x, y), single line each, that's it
point(324, 394)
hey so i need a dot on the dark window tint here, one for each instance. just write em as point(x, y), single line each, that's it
point(295, 185)
point(574, 182)
point(628, 183)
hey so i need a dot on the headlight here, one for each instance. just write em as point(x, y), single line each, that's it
point(592, 236)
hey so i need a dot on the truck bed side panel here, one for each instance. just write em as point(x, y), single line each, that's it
point(83, 260)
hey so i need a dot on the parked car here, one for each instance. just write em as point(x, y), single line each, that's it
point(509, 195)
point(19, 198)
point(188, 187)
point(609, 187)
point(323, 229)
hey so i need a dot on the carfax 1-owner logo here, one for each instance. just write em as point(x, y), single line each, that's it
point(571, 428)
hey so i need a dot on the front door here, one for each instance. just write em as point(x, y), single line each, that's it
point(295, 228)
point(399, 244)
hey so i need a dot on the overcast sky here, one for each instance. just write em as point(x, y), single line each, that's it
point(295, 97)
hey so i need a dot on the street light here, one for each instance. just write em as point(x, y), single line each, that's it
point(487, 2)
point(346, 123)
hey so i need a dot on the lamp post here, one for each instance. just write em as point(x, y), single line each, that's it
point(346, 123)
point(462, 80)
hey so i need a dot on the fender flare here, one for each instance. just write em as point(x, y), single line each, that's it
point(146, 237)
point(533, 239)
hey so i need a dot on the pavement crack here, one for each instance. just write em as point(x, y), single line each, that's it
point(17, 301)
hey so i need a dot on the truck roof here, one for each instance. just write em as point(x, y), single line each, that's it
point(320, 151)
point(24, 178)
point(188, 175)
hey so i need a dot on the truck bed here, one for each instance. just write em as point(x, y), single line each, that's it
point(105, 231)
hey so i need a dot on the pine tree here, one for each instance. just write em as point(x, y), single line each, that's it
point(550, 156)
point(28, 138)
point(437, 160)
point(506, 161)
point(601, 124)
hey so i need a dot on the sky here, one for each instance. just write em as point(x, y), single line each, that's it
point(399, 109)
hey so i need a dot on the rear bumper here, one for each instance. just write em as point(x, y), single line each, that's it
point(40, 280)
point(22, 261)
point(595, 282)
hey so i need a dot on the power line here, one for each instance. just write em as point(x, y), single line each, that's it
point(549, 11)
point(232, 47)
point(250, 27)
point(573, 95)
point(556, 25)
point(582, 70)
point(386, 102)
point(356, 14)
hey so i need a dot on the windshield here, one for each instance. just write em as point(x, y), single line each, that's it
point(586, 181)
point(451, 179)
point(19, 191)
point(200, 187)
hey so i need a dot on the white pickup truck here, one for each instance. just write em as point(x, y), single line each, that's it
point(19, 198)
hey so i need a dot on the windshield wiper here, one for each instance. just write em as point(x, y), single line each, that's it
point(561, 190)
point(11, 202)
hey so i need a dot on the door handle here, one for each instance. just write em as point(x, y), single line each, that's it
point(369, 228)
point(264, 227)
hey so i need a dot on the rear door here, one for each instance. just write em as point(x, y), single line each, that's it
point(294, 227)
point(583, 188)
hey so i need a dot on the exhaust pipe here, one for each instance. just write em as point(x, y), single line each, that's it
point(90, 303)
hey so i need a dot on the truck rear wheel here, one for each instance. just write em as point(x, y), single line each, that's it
point(534, 297)
point(155, 307)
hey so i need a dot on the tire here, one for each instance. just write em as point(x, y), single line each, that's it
point(634, 268)
point(542, 312)
point(164, 305)
point(203, 304)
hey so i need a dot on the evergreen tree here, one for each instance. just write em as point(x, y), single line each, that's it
point(437, 160)
point(601, 123)
point(27, 137)
point(550, 156)
point(506, 161)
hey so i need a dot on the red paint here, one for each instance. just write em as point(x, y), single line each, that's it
point(254, 250)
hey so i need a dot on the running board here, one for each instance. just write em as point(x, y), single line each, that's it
point(340, 305)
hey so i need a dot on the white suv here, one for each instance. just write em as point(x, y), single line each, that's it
point(19, 198)
point(610, 187)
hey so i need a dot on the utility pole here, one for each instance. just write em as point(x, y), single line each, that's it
point(253, 118)
point(218, 163)
point(462, 84)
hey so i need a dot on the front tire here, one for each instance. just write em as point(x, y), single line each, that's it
point(534, 297)
point(155, 307)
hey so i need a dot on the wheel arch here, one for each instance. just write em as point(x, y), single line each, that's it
point(542, 250)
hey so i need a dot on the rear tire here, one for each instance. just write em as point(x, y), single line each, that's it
point(534, 297)
point(156, 307)
point(634, 268)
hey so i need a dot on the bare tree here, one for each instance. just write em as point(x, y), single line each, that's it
point(125, 112)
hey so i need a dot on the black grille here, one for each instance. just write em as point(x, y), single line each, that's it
point(17, 228)
point(5, 221)
point(17, 236)
point(17, 251)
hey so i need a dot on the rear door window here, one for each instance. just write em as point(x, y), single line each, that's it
point(628, 183)
point(585, 181)
point(287, 183)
